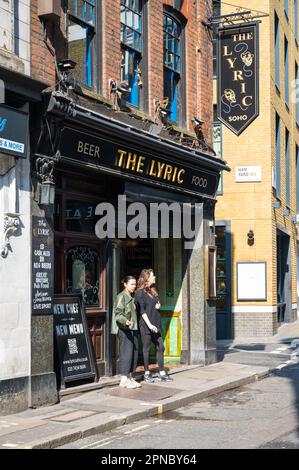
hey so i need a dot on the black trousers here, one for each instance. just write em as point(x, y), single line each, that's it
point(128, 351)
point(147, 340)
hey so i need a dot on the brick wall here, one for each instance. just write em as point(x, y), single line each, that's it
point(198, 57)
point(250, 325)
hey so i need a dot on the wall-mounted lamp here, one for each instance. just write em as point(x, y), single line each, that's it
point(45, 191)
point(161, 110)
point(118, 93)
point(276, 205)
point(295, 219)
point(286, 213)
point(250, 237)
point(66, 79)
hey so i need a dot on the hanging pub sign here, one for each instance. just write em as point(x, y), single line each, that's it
point(238, 76)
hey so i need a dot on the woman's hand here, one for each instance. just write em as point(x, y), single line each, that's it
point(158, 306)
point(153, 328)
point(129, 323)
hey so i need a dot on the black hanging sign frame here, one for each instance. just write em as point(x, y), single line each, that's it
point(75, 358)
point(238, 75)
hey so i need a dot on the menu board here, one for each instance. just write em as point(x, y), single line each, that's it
point(74, 355)
point(42, 267)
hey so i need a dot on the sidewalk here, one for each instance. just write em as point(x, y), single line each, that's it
point(102, 410)
point(79, 415)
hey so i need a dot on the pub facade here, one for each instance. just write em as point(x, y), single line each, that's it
point(124, 135)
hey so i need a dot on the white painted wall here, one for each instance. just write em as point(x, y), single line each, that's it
point(15, 275)
point(15, 34)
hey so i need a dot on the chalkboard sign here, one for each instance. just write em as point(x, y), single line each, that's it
point(42, 267)
point(74, 356)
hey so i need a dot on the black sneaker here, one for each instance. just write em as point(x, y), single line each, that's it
point(164, 377)
point(148, 378)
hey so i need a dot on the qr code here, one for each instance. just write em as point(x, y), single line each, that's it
point(73, 348)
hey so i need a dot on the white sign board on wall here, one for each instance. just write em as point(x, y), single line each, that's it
point(251, 281)
point(247, 174)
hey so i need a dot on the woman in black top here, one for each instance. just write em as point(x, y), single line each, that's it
point(148, 308)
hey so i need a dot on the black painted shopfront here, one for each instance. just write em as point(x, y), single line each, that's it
point(97, 159)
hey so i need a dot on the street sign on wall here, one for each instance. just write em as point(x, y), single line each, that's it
point(238, 76)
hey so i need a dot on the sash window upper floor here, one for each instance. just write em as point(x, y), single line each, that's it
point(131, 46)
point(80, 36)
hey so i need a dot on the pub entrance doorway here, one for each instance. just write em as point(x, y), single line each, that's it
point(80, 257)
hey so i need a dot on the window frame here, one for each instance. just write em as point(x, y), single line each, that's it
point(135, 54)
point(278, 154)
point(91, 43)
point(277, 50)
point(177, 107)
point(287, 73)
point(287, 168)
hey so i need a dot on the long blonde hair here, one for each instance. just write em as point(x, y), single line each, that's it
point(142, 282)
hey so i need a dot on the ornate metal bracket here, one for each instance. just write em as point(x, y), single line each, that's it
point(11, 225)
point(44, 166)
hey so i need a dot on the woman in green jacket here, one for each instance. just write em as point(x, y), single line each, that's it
point(124, 323)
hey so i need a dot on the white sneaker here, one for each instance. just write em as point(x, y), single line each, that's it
point(138, 385)
point(123, 381)
point(130, 384)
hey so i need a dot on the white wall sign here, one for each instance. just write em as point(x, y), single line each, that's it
point(251, 281)
point(246, 174)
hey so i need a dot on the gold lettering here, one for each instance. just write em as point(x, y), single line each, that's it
point(226, 51)
point(80, 146)
point(174, 174)
point(120, 160)
point(238, 75)
point(244, 100)
point(160, 169)
point(152, 171)
point(180, 176)
point(232, 62)
point(131, 161)
point(242, 37)
point(140, 165)
point(167, 173)
point(88, 149)
point(243, 88)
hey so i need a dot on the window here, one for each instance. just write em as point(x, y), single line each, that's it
point(131, 46)
point(287, 162)
point(277, 67)
point(172, 63)
point(80, 34)
point(286, 8)
point(297, 179)
point(286, 76)
point(216, 12)
point(278, 158)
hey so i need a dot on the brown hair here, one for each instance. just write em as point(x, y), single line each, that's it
point(142, 282)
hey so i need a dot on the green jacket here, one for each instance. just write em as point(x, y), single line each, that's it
point(124, 309)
